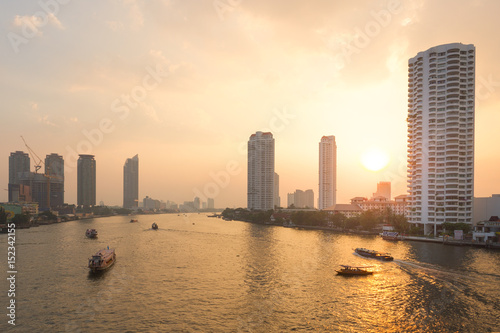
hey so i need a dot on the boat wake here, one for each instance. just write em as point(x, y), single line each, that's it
point(438, 273)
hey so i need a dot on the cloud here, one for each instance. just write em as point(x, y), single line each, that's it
point(45, 120)
point(135, 13)
point(115, 25)
point(35, 22)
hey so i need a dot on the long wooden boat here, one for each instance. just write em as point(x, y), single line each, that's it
point(374, 254)
point(102, 260)
point(354, 270)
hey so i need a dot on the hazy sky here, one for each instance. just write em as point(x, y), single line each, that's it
point(185, 83)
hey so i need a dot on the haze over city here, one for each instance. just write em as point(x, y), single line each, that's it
point(185, 84)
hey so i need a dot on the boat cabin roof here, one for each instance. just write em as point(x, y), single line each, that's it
point(347, 266)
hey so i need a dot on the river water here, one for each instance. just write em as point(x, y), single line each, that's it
point(200, 274)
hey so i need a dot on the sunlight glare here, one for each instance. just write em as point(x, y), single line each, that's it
point(374, 159)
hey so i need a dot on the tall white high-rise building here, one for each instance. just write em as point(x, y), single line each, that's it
point(327, 172)
point(260, 188)
point(441, 86)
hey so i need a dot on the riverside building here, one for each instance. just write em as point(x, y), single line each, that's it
point(260, 182)
point(441, 87)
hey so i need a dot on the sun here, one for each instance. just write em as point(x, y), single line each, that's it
point(374, 159)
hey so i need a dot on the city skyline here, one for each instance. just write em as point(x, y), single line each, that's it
point(112, 80)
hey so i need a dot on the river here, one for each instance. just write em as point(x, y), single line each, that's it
point(200, 274)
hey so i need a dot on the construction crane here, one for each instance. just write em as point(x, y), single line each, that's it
point(38, 165)
point(34, 156)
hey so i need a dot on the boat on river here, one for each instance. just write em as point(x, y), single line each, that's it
point(391, 236)
point(133, 220)
point(154, 226)
point(91, 233)
point(102, 260)
point(373, 254)
point(354, 270)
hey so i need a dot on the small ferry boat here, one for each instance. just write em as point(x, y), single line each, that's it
point(374, 254)
point(91, 233)
point(354, 270)
point(154, 226)
point(102, 260)
point(390, 236)
point(133, 220)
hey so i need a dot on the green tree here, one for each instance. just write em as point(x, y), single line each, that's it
point(400, 224)
point(370, 219)
point(22, 219)
point(3, 216)
point(339, 220)
point(450, 226)
point(47, 215)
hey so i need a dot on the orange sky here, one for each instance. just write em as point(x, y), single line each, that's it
point(184, 84)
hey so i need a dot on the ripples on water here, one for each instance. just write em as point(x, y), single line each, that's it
point(199, 274)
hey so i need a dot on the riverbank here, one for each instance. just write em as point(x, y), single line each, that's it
point(446, 241)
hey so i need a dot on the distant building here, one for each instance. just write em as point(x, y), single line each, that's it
point(260, 182)
point(131, 182)
point(441, 97)
point(54, 169)
point(397, 206)
point(290, 199)
point(38, 185)
point(383, 190)
point(19, 164)
point(151, 204)
point(348, 210)
point(488, 230)
point(327, 172)
point(277, 200)
point(210, 203)
point(187, 206)
point(309, 198)
point(197, 203)
point(86, 180)
point(19, 192)
point(301, 199)
point(485, 208)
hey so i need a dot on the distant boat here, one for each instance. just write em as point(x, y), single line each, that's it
point(213, 215)
point(354, 270)
point(102, 260)
point(374, 254)
point(391, 236)
point(91, 233)
point(133, 220)
point(154, 226)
